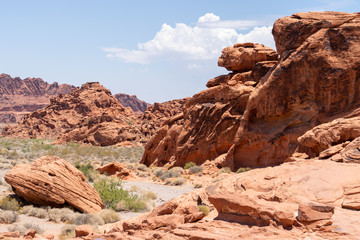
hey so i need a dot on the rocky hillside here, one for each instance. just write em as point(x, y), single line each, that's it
point(132, 101)
point(19, 97)
point(89, 114)
point(256, 115)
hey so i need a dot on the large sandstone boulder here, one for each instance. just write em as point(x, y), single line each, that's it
point(243, 56)
point(51, 181)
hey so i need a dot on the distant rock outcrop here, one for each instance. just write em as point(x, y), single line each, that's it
point(89, 114)
point(254, 118)
point(132, 101)
point(51, 181)
point(19, 97)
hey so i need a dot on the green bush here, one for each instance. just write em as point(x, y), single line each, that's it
point(240, 170)
point(195, 169)
point(205, 209)
point(88, 170)
point(9, 203)
point(189, 165)
point(112, 192)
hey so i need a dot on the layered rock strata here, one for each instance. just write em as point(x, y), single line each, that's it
point(89, 114)
point(51, 181)
point(254, 118)
point(19, 97)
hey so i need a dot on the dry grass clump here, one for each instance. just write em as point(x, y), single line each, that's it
point(198, 185)
point(91, 219)
point(189, 165)
point(109, 216)
point(24, 228)
point(67, 231)
point(242, 169)
point(195, 169)
point(8, 217)
point(178, 181)
point(205, 209)
point(223, 170)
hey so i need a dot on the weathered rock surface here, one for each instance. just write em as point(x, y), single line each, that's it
point(51, 181)
point(158, 113)
point(115, 169)
point(304, 199)
point(137, 105)
point(257, 116)
point(89, 114)
point(206, 127)
point(243, 56)
point(19, 97)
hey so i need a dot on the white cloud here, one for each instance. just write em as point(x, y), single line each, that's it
point(209, 17)
point(201, 42)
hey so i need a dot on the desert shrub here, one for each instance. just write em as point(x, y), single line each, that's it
point(109, 216)
point(42, 213)
point(240, 170)
point(178, 181)
point(177, 169)
point(88, 170)
point(17, 227)
point(111, 193)
point(144, 174)
point(141, 167)
point(26, 209)
point(158, 172)
point(36, 227)
point(205, 209)
point(135, 189)
point(195, 169)
point(189, 165)
point(168, 181)
point(9, 203)
point(61, 215)
point(224, 170)
point(150, 195)
point(198, 185)
point(8, 217)
point(169, 174)
point(67, 231)
point(91, 219)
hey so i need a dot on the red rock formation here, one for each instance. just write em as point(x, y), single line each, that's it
point(156, 115)
point(51, 181)
point(115, 169)
point(132, 101)
point(208, 122)
point(19, 97)
point(254, 118)
point(89, 114)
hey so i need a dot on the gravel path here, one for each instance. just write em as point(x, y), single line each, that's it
point(164, 193)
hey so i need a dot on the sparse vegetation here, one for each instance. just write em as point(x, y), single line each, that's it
point(205, 209)
point(8, 217)
point(90, 219)
point(67, 231)
point(223, 170)
point(109, 216)
point(189, 165)
point(23, 228)
point(240, 170)
point(198, 185)
point(9, 203)
point(14, 151)
point(195, 169)
point(178, 181)
point(112, 192)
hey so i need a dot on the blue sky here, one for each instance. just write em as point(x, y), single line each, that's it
point(158, 50)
